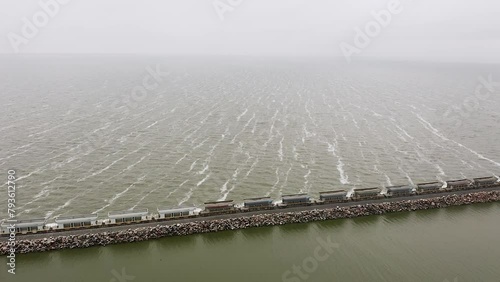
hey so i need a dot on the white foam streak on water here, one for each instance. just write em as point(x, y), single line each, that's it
point(275, 183)
point(224, 196)
point(203, 180)
point(273, 122)
point(100, 171)
point(38, 170)
point(16, 154)
point(118, 195)
point(280, 150)
point(180, 160)
point(306, 187)
point(234, 180)
point(436, 132)
point(285, 182)
point(244, 128)
point(407, 176)
point(205, 168)
point(55, 127)
point(344, 179)
point(332, 148)
point(151, 125)
point(49, 214)
point(242, 114)
point(309, 113)
point(193, 164)
point(186, 197)
point(223, 189)
point(404, 131)
point(6, 127)
point(176, 189)
point(252, 167)
point(389, 183)
point(41, 195)
point(295, 154)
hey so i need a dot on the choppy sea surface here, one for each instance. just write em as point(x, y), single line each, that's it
point(92, 134)
point(455, 244)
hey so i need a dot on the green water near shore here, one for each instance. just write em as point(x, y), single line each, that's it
point(452, 244)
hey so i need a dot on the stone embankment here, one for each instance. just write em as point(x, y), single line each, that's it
point(182, 229)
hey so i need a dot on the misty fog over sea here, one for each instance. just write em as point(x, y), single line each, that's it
point(84, 138)
point(109, 107)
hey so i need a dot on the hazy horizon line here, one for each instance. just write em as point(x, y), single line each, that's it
point(281, 56)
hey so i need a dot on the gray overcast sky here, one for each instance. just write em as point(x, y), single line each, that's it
point(462, 30)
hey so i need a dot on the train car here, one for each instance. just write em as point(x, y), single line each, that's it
point(219, 207)
point(129, 216)
point(181, 212)
point(429, 187)
point(252, 204)
point(366, 193)
point(76, 221)
point(483, 182)
point(295, 200)
point(38, 225)
point(455, 185)
point(335, 196)
point(24, 226)
point(399, 191)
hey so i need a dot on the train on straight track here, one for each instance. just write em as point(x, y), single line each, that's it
point(249, 205)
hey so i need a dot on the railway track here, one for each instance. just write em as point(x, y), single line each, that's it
point(106, 228)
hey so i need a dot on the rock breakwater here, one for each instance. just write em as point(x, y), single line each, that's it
point(243, 222)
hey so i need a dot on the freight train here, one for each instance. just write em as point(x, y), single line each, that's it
point(229, 207)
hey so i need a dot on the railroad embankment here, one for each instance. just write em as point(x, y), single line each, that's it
point(269, 219)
